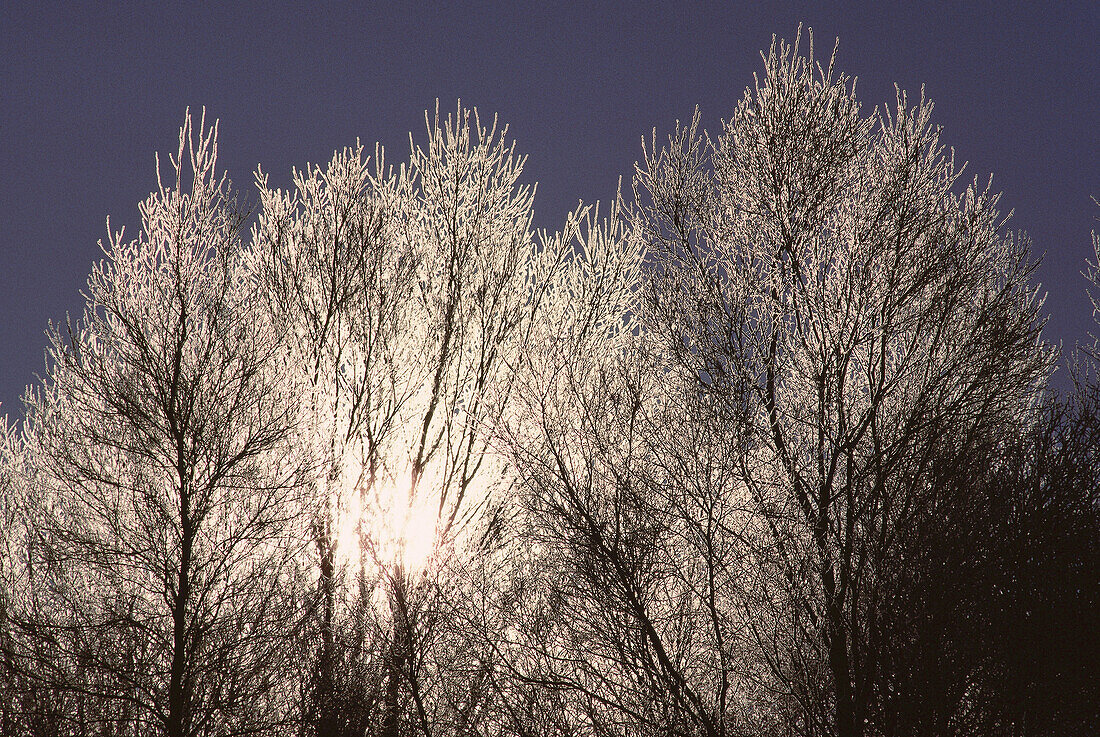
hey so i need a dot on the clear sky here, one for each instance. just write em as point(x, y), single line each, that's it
point(88, 93)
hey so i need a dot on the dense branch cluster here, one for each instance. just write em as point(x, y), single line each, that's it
point(765, 448)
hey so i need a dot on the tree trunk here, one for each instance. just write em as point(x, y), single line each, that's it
point(324, 697)
point(847, 725)
point(397, 657)
point(848, 722)
point(179, 696)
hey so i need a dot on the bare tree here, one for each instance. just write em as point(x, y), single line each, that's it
point(621, 593)
point(851, 319)
point(157, 440)
point(12, 544)
point(409, 299)
point(327, 258)
point(488, 289)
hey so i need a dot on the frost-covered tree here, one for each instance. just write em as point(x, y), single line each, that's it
point(544, 603)
point(627, 607)
point(12, 545)
point(340, 285)
point(156, 444)
point(857, 322)
point(410, 301)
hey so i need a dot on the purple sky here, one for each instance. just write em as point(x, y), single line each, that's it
point(88, 93)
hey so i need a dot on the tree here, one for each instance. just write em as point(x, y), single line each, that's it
point(327, 260)
point(1044, 637)
point(409, 300)
point(11, 547)
point(855, 322)
point(560, 649)
point(157, 440)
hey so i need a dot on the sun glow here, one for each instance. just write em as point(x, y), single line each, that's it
point(390, 525)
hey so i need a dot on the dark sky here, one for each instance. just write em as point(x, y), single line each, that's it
point(89, 92)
